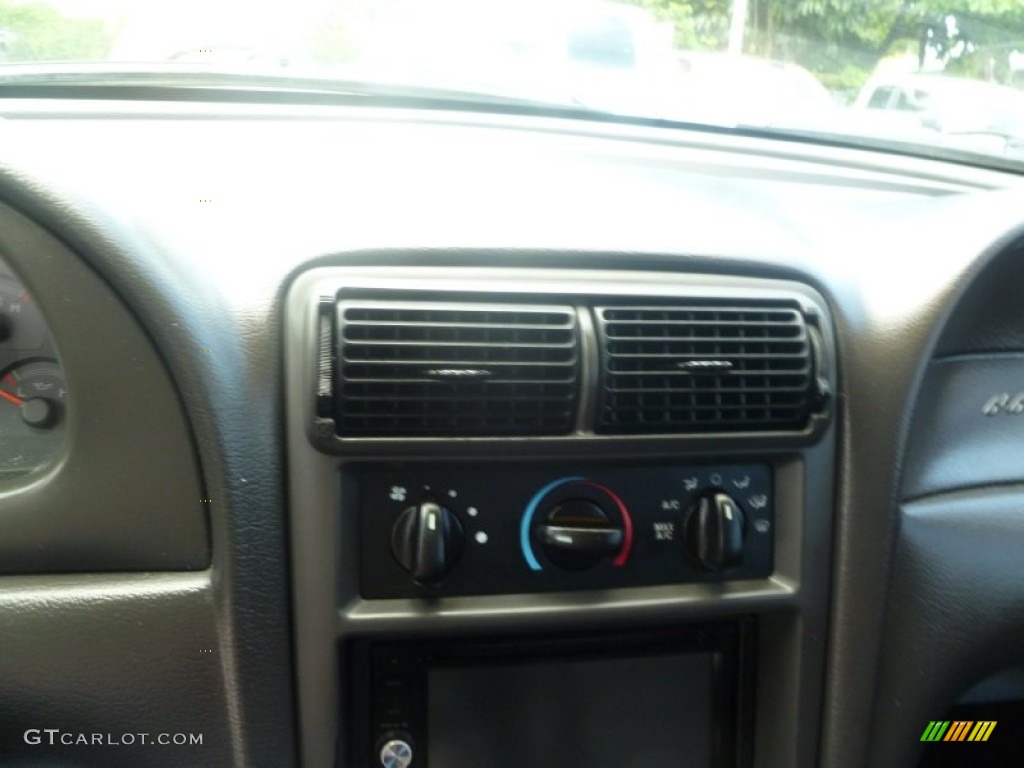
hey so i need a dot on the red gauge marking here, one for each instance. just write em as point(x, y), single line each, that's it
point(9, 378)
point(11, 398)
point(25, 298)
point(627, 525)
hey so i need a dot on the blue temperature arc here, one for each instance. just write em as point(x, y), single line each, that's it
point(531, 508)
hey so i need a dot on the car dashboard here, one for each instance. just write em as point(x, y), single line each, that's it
point(345, 435)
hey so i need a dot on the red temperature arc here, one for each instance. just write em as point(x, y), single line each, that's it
point(11, 398)
point(627, 523)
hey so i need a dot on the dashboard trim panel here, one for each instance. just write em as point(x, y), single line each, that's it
point(153, 517)
point(791, 604)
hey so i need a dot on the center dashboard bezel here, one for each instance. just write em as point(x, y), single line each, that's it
point(790, 604)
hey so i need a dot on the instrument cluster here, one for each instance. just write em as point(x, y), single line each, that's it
point(33, 391)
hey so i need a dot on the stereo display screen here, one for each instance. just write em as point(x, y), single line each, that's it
point(653, 710)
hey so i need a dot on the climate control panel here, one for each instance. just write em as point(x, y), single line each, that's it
point(479, 531)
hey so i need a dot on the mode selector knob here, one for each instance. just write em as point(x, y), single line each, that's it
point(578, 534)
point(714, 531)
point(427, 540)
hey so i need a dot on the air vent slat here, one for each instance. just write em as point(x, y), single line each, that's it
point(555, 401)
point(697, 323)
point(408, 343)
point(415, 324)
point(449, 369)
point(416, 387)
point(622, 352)
point(731, 390)
point(743, 366)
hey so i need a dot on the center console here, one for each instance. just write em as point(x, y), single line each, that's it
point(545, 517)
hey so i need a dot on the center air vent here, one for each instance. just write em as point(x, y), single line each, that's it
point(418, 368)
point(705, 367)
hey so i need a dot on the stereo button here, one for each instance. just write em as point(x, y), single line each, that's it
point(396, 753)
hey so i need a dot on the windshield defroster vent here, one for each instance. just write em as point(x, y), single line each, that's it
point(418, 368)
point(705, 367)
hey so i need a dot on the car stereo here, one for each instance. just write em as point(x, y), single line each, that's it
point(672, 698)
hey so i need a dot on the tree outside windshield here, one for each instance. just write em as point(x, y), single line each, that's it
point(947, 72)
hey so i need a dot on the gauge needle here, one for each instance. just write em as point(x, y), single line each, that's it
point(11, 398)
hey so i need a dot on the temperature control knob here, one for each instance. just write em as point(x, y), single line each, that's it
point(427, 540)
point(578, 534)
point(714, 531)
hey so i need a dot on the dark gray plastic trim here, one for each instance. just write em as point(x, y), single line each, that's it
point(955, 613)
point(968, 425)
point(125, 494)
point(888, 332)
point(791, 605)
point(112, 654)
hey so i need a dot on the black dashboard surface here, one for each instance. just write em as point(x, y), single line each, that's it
point(198, 219)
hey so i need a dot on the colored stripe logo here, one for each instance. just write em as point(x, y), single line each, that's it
point(958, 730)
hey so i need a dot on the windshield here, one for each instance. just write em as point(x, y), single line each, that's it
point(928, 74)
